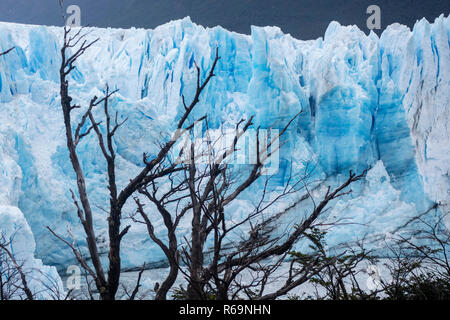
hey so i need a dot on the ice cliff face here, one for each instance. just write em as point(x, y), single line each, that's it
point(367, 102)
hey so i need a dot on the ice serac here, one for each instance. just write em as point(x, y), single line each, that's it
point(367, 102)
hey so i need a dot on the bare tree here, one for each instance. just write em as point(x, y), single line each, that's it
point(16, 276)
point(204, 192)
point(172, 170)
point(413, 266)
point(74, 46)
point(419, 265)
point(13, 278)
point(11, 271)
point(255, 255)
point(432, 244)
point(339, 279)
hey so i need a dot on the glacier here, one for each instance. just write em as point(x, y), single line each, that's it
point(367, 101)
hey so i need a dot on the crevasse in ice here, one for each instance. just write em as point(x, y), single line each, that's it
point(367, 101)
